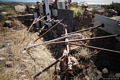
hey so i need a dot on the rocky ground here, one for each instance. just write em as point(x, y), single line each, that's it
point(17, 64)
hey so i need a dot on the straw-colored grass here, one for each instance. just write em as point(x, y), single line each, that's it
point(37, 59)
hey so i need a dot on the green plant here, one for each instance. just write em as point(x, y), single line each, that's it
point(76, 11)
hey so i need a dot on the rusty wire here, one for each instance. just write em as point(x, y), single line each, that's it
point(35, 21)
point(49, 66)
point(65, 55)
point(93, 47)
point(93, 38)
point(47, 42)
point(68, 43)
point(102, 25)
point(49, 29)
point(76, 40)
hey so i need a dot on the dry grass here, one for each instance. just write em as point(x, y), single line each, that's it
point(37, 59)
point(3, 76)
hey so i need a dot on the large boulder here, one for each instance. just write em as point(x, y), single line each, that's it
point(19, 8)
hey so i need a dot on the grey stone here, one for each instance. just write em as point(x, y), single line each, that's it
point(117, 75)
point(9, 64)
point(105, 70)
point(8, 23)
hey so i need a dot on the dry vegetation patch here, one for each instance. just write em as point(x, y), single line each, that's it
point(12, 43)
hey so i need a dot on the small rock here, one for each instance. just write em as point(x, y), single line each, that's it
point(2, 58)
point(74, 60)
point(4, 13)
point(105, 70)
point(105, 73)
point(8, 23)
point(23, 76)
point(9, 64)
point(86, 78)
point(117, 75)
point(89, 33)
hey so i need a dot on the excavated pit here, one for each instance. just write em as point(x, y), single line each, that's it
point(106, 59)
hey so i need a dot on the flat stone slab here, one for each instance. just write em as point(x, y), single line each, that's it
point(68, 16)
point(112, 26)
